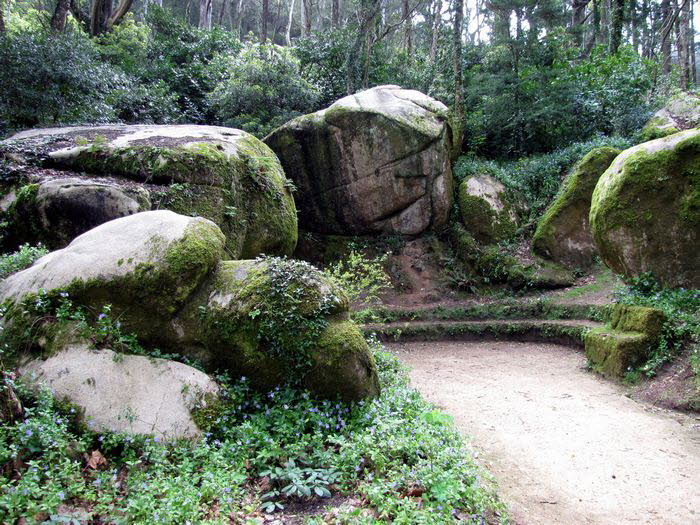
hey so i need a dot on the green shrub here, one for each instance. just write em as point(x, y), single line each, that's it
point(361, 278)
point(261, 89)
point(21, 259)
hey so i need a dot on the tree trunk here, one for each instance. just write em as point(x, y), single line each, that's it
point(691, 46)
point(684, 44)
point(578, 16)
point(665, 35)
point(265, 16)
point(634, 24)
point(222, 13)
point(617, 21)
point(437, 19)
point(205, 8)
point(408, 28)
point(335, 14)
point(358, 52)
point(58, 20)
point(458, 109)
point(288, 36)
point(306, 17)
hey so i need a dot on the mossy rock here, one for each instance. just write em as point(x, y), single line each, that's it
point(625, 343)
point(374, 162)
point(146, 266)
point(485, 209)
point(222, 174)
point(681, 112)
point(276, 320)
point(645, 211)
point(563, 233)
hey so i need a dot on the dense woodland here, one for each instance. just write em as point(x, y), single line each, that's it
point(520, 77)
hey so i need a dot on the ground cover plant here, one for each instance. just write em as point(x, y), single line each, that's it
point(259, 453)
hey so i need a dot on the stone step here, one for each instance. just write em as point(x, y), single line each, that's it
point(566, 331)
point(499, 310)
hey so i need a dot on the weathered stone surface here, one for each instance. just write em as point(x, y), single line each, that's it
point(376, 161)
point(645, 211)
point(145, 265)
point(222, 174)
point(242, 318)
point(485, 210)
point(632, 333)
point(126, 393)
point(270, 319)
point(564, 233)
point(681, 112)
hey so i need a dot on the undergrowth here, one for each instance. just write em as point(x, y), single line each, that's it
point(399, 455)
point(682, 330)
point(21, 259)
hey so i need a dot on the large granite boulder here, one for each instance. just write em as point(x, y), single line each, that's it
point(681, 112)
point(222, 174)
point(645, 211)
point(126, 393)
point(377, 161)
point(270, 319)
point(485, 209)
point(563, 233)
point(145, 265)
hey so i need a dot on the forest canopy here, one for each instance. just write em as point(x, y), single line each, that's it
point(520, 77)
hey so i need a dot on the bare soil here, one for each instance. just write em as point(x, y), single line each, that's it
point(565, 446)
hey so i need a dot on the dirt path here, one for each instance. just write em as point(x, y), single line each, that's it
point(565, 446)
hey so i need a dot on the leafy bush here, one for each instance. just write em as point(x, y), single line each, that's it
point(682, 309)
point(21, 259)
point(536, 178)
point(49, 79)
point(261, 89)
point(362, 278)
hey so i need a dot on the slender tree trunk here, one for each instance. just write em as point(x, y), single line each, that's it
point(306, 17)
point(205, 8)
point(684, 44)
point(408, 28)
point(634, 24)
point(665, 35)
point(358, 52)
point(288, 35)
point(335, 14)
point(691, 44)
point(222, 13)
point(58, 20)
point(458, 109)
point(2, 16)
point(617, 21)
point(437, 20)
point(578, 16)
point(265, 16)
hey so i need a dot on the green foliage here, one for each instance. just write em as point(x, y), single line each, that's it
point(682, 309)
point(48, 79)
point(23, 258)
point(536, 178)
point(260, 89)
point(380, 450)
point(361, 277)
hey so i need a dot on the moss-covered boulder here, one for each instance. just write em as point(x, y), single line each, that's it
point(377, 161)
point(681, 112)
point(275, 320)
point(126, 393)
point(146, 266)
point(563, 233)
point(632, 333)
point(270, 319)
point(485, 209)
point(645, 211)
point(222, 174)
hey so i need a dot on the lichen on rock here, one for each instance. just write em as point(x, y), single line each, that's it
point(485, 209)
point(645, 211)
point(563, 233)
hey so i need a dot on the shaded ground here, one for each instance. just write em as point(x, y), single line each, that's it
point(565, 446)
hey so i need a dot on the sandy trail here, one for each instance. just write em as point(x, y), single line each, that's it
point(565, 446)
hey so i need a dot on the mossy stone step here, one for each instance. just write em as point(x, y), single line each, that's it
point(569, 331)
point(632, 333)
point(501, 310)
